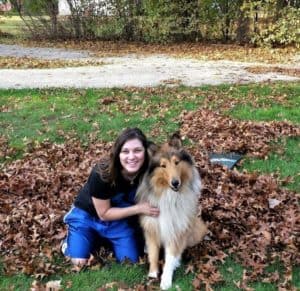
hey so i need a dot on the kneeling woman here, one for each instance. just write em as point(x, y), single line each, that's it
point(104, 209)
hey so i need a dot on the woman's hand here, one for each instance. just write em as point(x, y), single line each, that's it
point(147, 209)
point(108, 213)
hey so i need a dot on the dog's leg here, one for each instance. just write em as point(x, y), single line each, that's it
point(198, 232)
point(153, 246)
point(172, 261)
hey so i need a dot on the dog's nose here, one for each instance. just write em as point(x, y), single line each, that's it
point(175, 183)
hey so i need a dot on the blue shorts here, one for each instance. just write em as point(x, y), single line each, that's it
point(86, 232)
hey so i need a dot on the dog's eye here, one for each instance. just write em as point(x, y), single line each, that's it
point(176, 162)
point(163, 165)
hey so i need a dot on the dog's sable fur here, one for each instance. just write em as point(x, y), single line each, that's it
point(172, 183)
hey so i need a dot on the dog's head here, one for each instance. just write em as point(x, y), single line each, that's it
point(170, 165)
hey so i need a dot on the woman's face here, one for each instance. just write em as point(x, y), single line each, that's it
point(132, 156)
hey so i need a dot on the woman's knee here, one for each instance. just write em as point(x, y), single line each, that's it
point(126, 248)
point(133, 258)
point(78, 244)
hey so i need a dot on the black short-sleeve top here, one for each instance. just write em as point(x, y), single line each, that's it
point(122, 194)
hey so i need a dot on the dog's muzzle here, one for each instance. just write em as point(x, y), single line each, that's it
point(175, 184)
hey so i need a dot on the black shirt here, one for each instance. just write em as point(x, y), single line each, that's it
point(121, 195)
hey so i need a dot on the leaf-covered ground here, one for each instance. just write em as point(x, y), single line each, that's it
point(248, 215)
point(196, 50)
point(262, 70)
point(35, 63)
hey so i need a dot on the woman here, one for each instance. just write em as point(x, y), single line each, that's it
point(104, 209)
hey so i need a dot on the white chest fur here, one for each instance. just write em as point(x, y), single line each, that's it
point(177, 210)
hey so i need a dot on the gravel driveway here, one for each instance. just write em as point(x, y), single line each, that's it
point(124, 71)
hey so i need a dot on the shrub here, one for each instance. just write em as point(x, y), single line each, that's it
point(284, 31)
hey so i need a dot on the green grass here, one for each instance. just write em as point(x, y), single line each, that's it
point(274, 112)
point(36, 115)
point(92, 280)
point(12, 25)
point(53, 114)
point(16, 282)
point(133, 275)
point(285, 162)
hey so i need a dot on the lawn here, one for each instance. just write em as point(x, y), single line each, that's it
point(12, 25)
point(77, 119)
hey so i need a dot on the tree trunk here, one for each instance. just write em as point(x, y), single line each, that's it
point(243, 29)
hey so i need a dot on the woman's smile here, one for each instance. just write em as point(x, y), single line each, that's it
point(132, 156)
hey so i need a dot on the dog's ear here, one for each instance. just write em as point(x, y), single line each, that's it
point(152, 148)
point(185, 156)
point(154, 163)
point(175, 141)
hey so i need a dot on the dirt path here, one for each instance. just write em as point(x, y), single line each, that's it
point(131, 70)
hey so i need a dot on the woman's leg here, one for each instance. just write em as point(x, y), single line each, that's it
point(79, 242)
point(124, 240)
point(126, 248)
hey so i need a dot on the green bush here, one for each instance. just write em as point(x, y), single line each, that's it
point(285, 31)
point(269, 22)
point(154, 29)
point(109, 28)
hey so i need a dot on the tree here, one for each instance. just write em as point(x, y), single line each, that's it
point(259, 21)
point(37, 12)
point(276, 22)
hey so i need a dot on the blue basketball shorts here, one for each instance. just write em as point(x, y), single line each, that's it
point(86, 232)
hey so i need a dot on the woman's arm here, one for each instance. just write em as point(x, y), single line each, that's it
point(108, 213)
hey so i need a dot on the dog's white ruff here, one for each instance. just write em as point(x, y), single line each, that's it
point(176, 209)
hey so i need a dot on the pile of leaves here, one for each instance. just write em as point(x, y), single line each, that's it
point(248, 215)
point(35, 193)
point(213, 132)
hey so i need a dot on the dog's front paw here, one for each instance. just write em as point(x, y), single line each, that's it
point(166, 282)
point(153, 275)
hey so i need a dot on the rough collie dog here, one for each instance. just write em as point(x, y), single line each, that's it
point(172, 183)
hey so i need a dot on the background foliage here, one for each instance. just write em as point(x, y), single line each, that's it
point(271, 22)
